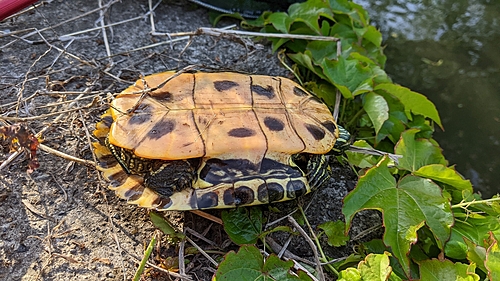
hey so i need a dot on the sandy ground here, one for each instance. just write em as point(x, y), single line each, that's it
point(60, 222)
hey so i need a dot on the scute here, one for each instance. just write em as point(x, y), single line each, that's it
point(243, 130)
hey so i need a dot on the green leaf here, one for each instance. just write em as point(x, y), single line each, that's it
point(305, 61)
point(361, 160)
point(340, 6)
point(375, 267)
point(441, 173)
point(280, 21)
point(377, 246)
point(324, 91)
point(277, 269)
point(493, 261)
point(377, 109)
point(344, 73)
point(413, 101)
point(335, 231)
point(349, 274)
point(161, 223)
point(373, 35)
point(243, 225)
point(321, 50)
point(345, 32)
point(446, 271)
point(476, 254)
point(309, 13)
point(248, 265)
point(456, 247)
point(417, 153)
point(405, 207)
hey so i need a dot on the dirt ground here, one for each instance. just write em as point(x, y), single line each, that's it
point(60, 222)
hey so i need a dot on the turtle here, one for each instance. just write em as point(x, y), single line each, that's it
point(203, 140)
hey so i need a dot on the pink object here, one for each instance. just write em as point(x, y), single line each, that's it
point(10, 7)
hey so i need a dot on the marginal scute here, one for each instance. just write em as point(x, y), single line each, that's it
point(208, 200)
point(228, 197)
point(295, 188)
point(243, 195)
point(275, 192)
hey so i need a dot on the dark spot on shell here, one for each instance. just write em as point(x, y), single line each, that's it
point(208, 200)
point(135, 192)
point(275, 191)
point(107, 161)
point(270, 192)
point(138, 119)
point(163, 96)
point(274, 124)
point(243, 195)
point(228, 197)
point(317, 132)
point(118, 178)
point(241, 133)
point(261, 91)
point(262, 193)
point(224, 85)
point(299, 92)
point(330, 126)
point(162, 202)
point(295, 188)
point(107, 120)
point(161, 128)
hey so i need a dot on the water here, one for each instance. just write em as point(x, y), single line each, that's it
point(449, 50)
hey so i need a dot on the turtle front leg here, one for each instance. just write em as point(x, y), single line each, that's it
point(171, 177)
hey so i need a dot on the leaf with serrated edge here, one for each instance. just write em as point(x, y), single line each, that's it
point(441, 173)
point(243, 225)
point(245, 265)
point(417, 153)
point(377, 109)
point(476, 254)
point(360, 159)
point(347, 73)
point(309, 13)
point(280, 21)
point(375, 267)
point(335, 233)
point(248, 265)
point(413, 101)
point(492, 262)
point(436, 270)
point(405, 207)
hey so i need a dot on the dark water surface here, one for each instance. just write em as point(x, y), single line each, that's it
point(449, 50)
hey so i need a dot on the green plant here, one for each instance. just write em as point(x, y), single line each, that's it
point(436, 228)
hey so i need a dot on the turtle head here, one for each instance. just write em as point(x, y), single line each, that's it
point(342, 143)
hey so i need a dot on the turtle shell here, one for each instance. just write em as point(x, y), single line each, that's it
point(239, 133)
